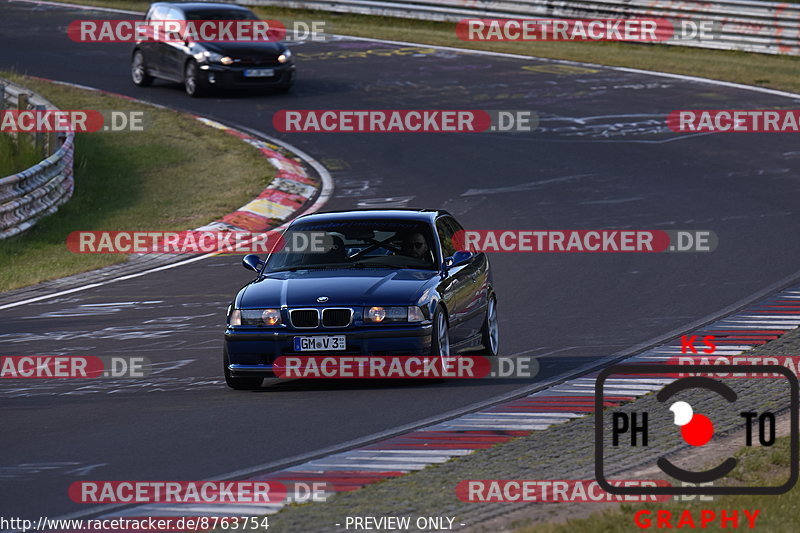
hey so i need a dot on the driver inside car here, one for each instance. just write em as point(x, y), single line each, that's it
point(415, 245)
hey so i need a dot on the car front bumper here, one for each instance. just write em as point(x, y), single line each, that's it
point(232, 77)
point(252, 352)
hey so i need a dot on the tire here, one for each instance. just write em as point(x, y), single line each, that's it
point(238, 383)
point(440, 336)
point(192, 80)
point(440, 342)
point(490, 332)
point(139, 73)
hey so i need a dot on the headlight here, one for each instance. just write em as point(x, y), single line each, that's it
point(379, 314)
point(375, 314)
point(285, 56)
point(255, 317)
point(271, 317)
point(213, 57)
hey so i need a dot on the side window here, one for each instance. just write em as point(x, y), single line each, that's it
point(175, 14)
point(455, 225)
point(445, 230)
point(158, 13)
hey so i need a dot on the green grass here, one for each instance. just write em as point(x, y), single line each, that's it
point(177, 174)
point(759, 467)
point(776, 72)
point(16, 154)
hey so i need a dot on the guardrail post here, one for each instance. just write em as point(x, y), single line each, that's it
point(22, 101)
point(2, 96)
point(38, 136)
point(52, 144)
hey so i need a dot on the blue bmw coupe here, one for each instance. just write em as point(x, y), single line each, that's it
point(365, 282)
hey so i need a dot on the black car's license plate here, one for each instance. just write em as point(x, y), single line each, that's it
point(319, 343)
point(259, 73)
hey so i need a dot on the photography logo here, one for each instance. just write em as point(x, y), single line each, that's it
point(685, 414)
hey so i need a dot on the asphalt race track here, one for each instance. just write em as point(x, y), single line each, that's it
point(602, 159)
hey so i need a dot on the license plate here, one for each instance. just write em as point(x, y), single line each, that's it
point(259, 73)
point(319, 343)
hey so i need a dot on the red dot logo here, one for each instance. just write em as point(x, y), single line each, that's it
point(696, 429)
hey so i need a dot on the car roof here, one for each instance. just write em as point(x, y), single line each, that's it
point(423, 215)
point(188, 7)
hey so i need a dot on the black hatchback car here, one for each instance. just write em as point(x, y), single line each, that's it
point(201, 66)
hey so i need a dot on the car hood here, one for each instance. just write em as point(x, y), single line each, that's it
point(241, 49)
point(342, 287)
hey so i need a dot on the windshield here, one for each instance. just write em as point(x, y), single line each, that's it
point(356, 244)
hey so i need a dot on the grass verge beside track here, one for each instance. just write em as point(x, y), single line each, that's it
point(177, 174)
point(16, 154)
point(761, 466)
point(763, 70)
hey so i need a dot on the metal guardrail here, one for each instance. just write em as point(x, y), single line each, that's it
point(27, 196)
point(751, 26)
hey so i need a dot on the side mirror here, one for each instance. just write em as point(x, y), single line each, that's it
point(459, 258)
point(252, 262)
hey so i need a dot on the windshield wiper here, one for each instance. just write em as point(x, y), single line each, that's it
point(300, 267)
point(375, 265)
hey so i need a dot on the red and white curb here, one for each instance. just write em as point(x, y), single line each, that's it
point(753, 326)
point(290, 190)
point(287, 193)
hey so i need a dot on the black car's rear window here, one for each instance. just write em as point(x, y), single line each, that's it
point(220, 14)
point(356, 244)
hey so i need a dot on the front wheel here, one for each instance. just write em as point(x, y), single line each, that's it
point(192, 80)
point(440, 338)
point(139, 73)
point(440, 343)
point(490, 332)
point(238, 383)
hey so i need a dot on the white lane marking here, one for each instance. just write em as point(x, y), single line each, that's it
point(385, 467)
point(774, 323)
point(509, 427)
point(413, 450)
point(756, 327)
point(621, 392)
point(379, 460)
point(410, 452)
point(554, 391)
point(631, 386)
point(523, 415)
point(648, 381)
